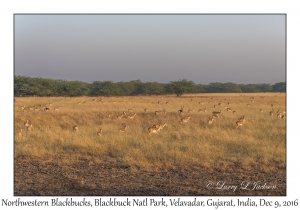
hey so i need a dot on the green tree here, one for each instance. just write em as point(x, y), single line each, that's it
point(264, 87)
point(230, 87)
point(48, 87)
point(201, 88)
point(106, 88)
point(168, 89)
point(214, 87)
point(126, 88)
point(139, 87)
point(250, 88)
point(154, 88)
point(77, 88)
point(183, 86)
point(279, 87)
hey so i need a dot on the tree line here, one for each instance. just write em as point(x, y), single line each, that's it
point(27, 86)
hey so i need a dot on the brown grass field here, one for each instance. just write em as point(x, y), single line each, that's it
point(182, 158)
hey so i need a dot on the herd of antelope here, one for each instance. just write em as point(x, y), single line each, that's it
point(156, 128)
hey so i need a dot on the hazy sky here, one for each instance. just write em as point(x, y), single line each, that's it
point(163, 48)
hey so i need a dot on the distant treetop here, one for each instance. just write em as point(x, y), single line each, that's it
point(27, 86)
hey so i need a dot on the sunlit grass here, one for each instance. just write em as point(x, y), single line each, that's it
point(261, 137)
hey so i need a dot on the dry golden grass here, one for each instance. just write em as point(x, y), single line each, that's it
point(262, 136)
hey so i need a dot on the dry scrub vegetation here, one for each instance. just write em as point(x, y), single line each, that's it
point(258, 144)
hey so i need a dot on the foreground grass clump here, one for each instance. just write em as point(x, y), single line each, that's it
point(261, 138)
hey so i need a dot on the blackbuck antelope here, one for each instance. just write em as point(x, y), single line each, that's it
point(240, 121)
point(29, 128)
point(99, 133)
point(46, 109)
point(180, 110)
point(120, 116)
point(185, 120)
point(153, 129)
point(131, 116)
point(20, 132)
point(202, 110)
point(26, 125)
point(242, 118)
point(160, 111)
point(210, 121)
point(156, 128)
point(280, 112)
point(190, 110)
point(121, 130)
point(75, 128)
point(216, 112)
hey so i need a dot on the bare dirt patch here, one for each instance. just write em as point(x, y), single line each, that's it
point(52, 177)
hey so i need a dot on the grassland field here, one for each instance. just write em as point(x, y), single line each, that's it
point(73, 160)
